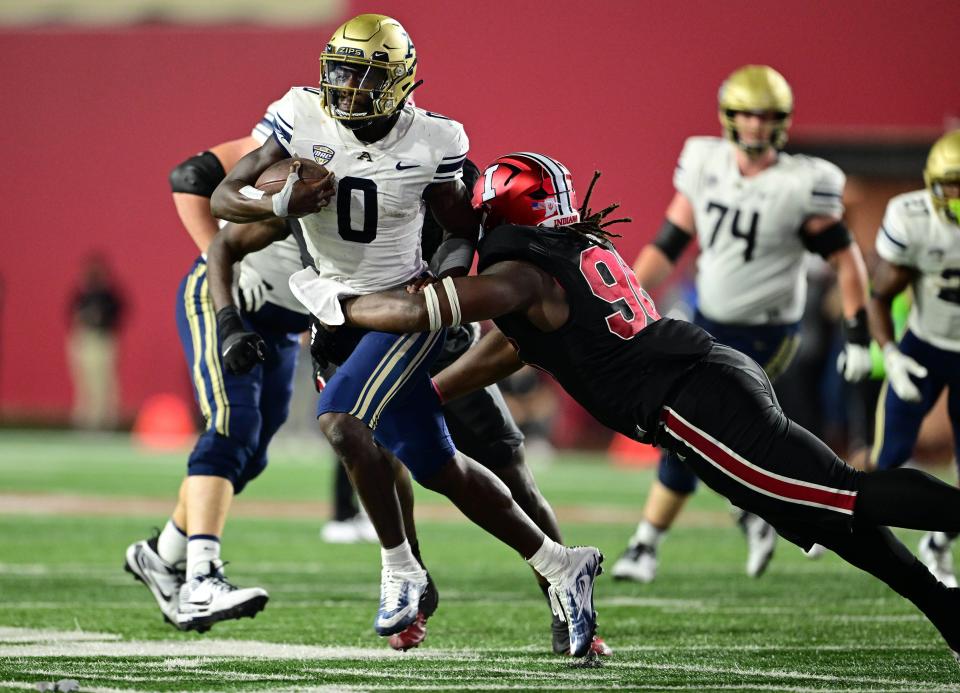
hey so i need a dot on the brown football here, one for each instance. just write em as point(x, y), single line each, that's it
point(275, 177)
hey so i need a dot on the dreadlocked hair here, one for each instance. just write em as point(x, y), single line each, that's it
point(595, 223)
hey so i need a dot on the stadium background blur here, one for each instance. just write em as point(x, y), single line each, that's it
point(104, 98)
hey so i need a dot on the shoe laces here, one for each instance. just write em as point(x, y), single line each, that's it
point(635, 551)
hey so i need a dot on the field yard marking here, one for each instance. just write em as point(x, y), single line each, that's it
point(781, 673)
point(47, 504)
point(34, 635)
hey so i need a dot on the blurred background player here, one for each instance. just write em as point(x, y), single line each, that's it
point(96, 312)
point(919, 247)
point(243, 410)
point(388, 161)
point(563, 299)
point(754, 210)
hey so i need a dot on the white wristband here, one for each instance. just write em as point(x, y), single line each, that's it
point(433, 307)
point(454, 301)
point(251, 193)
point(282, 199)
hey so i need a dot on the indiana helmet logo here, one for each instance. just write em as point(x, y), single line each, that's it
point(322, 153)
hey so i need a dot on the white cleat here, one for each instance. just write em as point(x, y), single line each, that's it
point(340, 532)
point(366, 532)
point(400, 592)
point(571, 597)
point(936, 554)
point(355, 530)
point(161, 578)
point(761, 541)
point(208, 599)
point(815, 551)
point(638, 563)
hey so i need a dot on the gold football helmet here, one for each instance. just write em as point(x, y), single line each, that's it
point(943, 168)
point(367, 69)
point(756, 89)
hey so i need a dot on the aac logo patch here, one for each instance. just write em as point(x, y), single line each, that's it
point(322, 153)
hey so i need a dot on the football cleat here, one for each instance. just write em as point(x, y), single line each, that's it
point(400, 592)
point(561, 640)
point(815, 551)
point(638, 563)
point(416, 632)
point(411, 636)
point(761, 541)
point(571, 597)
point(161, 578)
point(208, 599)
point(938, 558)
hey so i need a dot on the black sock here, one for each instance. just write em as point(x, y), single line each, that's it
point(910, 499)
point(344, 503)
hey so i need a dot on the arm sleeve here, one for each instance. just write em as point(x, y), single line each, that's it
point(826, 190)
point(454, 154)
point(893, 240)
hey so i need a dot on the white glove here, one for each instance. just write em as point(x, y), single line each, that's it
point(899, 369)
point(854, 362)
point(253, 289)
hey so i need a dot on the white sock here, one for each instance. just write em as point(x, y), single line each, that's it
point(550, 560)
point(647, 534)
point(400, 557)
point(172, 544)
point(202, 551)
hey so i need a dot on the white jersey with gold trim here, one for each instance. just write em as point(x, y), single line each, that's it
point(279, 260)
point(368, 237)
point(750, 269)
point(914, 235)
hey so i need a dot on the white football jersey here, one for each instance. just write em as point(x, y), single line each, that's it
point(750, 269)
point(279, 260)
point(914, 235)
point(368, 237)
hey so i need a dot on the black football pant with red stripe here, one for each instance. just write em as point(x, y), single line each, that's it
point(723, 419)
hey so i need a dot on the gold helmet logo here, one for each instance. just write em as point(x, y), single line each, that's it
point(367, 69)
point(756, 89)
point(942, 175)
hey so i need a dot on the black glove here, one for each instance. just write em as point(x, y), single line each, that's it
point(241, 350)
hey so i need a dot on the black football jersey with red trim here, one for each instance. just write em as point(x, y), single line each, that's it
point(615, 355)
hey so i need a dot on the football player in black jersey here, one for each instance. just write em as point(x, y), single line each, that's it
point(566, 302)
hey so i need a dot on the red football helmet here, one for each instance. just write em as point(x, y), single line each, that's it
point(526, 189)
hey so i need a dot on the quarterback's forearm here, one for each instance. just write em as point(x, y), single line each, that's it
point(230, 204)
point(220, 272)
point(491, 360)
point(852, 278)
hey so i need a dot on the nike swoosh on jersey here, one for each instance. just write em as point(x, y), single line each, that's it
point(401, 167)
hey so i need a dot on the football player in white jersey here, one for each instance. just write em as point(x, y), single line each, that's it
point(243, 406)
point(919, 247)
point(389, 161)
point(755, 211)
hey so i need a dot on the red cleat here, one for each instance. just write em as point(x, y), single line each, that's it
point(413, 635)
point(599, 647)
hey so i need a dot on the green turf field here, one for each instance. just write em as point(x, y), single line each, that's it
point(69, 506)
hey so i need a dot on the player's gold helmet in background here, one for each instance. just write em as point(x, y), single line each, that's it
point(381, 56)
point(756, 89)
point(943, 168)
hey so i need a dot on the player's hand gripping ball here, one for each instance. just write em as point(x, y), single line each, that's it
point(307, 186)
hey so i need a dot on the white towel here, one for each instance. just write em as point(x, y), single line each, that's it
point(321, 296)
